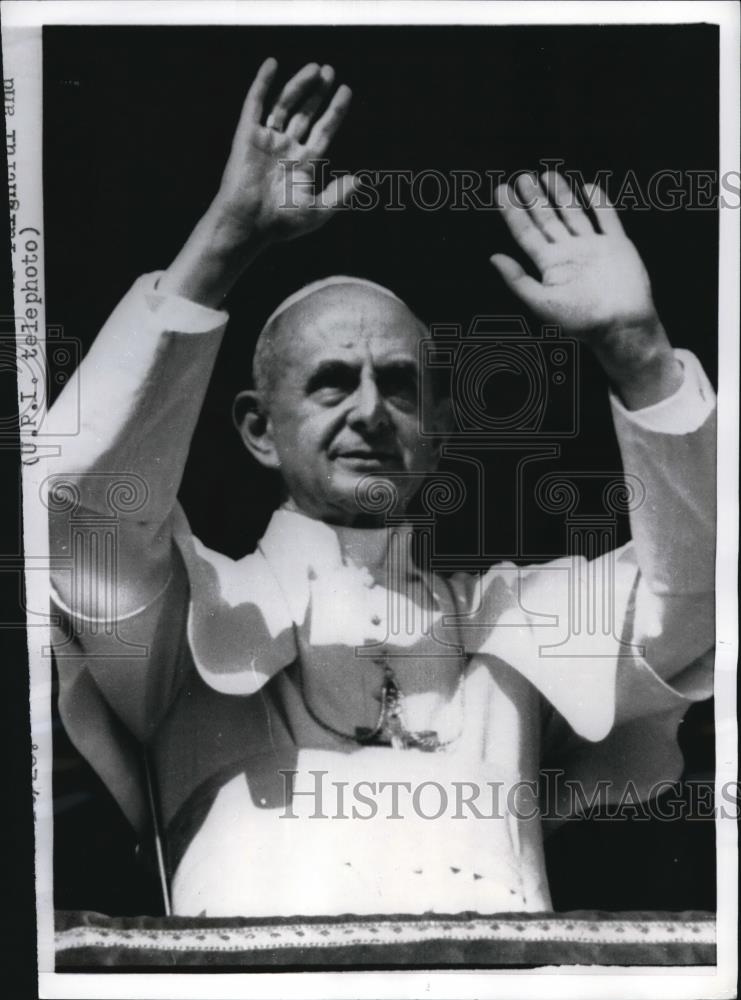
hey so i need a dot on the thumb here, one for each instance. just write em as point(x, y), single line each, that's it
point(338, 193)
point(517, 280)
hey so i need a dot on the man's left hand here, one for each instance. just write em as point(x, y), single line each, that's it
point(592, 282)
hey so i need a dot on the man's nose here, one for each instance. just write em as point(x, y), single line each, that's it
point(369, 411)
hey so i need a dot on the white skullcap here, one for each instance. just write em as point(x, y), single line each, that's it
point(318, 286)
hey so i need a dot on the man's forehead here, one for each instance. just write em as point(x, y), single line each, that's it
point(349, 320)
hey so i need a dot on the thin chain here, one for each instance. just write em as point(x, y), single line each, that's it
point(390, 722)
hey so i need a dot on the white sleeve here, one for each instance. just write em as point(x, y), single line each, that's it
point(684, 411)
point(670, 451)
point(139, 391)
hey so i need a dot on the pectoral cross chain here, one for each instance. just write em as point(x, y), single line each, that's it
point(390, 729)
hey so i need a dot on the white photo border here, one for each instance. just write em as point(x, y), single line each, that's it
point(22, 22)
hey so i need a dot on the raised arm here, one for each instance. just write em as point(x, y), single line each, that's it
point(141, 386)
point(594, 286)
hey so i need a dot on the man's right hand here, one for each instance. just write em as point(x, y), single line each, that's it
point(267, 192)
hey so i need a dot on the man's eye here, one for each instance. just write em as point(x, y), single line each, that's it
point(329, 394)
point(332, 384)
point(400, 389)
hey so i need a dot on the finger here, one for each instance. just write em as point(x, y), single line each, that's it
point(293, 94)
point(565, 198)
point(301, 121)
point(605, 214)
point(255, 99)
point(542, 212)
point(325, 128)
point(518, 220)
point(522, 284)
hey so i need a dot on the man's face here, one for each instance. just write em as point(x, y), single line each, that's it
point(345, 401)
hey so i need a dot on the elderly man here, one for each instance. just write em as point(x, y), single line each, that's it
point(326, 725)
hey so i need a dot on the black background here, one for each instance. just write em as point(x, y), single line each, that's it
point(137, 125)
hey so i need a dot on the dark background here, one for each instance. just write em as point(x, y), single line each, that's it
point(137, 127)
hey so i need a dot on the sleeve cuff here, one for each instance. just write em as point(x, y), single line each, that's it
point(684, 411)
point(176, 313)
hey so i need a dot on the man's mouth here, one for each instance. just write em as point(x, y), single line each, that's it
point(369, 458)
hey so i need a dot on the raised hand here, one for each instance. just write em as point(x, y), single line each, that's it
point(268, 187)
point(267, 192)
point(592, 282)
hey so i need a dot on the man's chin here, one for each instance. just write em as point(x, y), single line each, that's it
point(369, 494)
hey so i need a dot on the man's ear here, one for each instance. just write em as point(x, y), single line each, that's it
point(252, 421)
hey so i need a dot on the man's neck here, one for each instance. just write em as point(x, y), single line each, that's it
point(339, 517)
